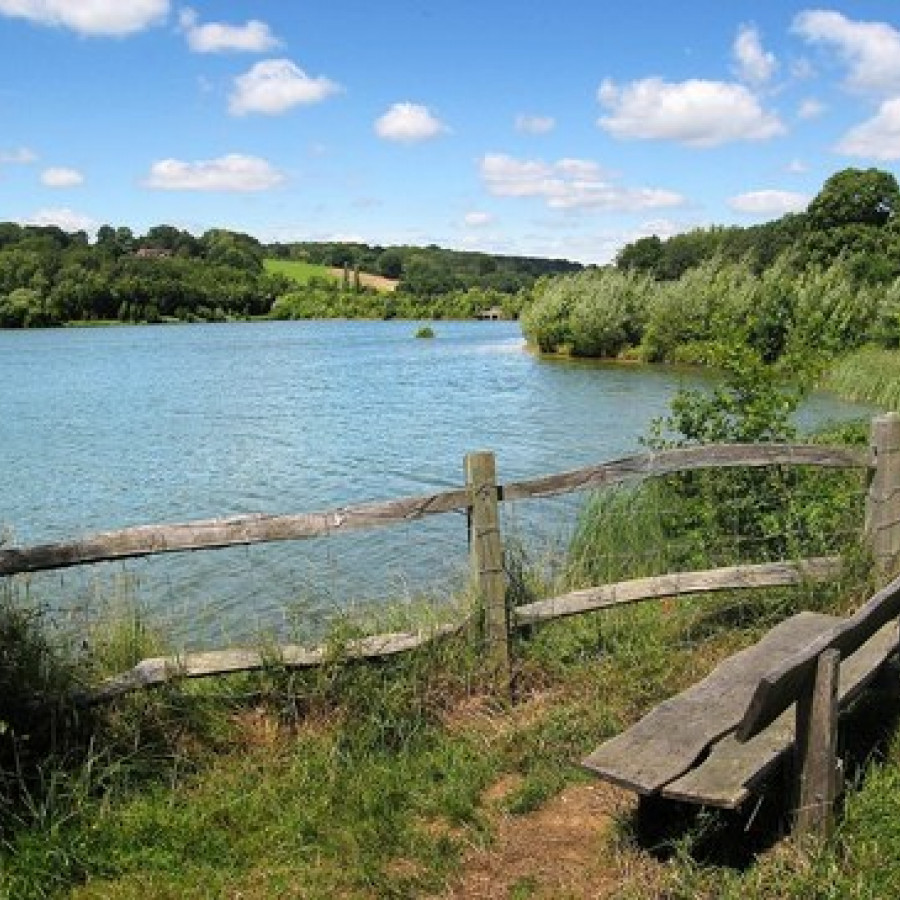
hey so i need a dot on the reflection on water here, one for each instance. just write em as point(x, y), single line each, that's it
point(101, 429)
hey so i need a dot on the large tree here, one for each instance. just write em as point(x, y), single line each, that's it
point(855, 197)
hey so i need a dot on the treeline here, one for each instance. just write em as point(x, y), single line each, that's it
point(50, 277)
point(328, 299)
point(799, 290)
point(430, 272)
point(852, 216)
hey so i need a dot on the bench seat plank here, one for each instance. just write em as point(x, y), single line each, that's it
point(665, 743)
point(733, 769)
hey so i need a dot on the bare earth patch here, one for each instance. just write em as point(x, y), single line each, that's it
point(379, 282)
point(562, 850)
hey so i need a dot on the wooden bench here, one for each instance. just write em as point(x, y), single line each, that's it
point(715, 743)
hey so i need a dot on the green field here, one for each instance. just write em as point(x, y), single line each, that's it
point(298, 270)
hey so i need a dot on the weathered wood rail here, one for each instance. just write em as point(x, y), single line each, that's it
point(207, 534)
point(480, 499)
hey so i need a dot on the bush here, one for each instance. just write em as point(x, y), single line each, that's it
point(38, 719)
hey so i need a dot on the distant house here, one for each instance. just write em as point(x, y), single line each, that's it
point(152, 253)
point(492, 314)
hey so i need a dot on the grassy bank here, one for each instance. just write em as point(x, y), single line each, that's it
point(869, 375)
point(405, 778)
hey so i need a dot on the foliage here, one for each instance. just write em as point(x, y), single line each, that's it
point(425, 332)
point(598, 312)
point(852, 217)
point(430, 272)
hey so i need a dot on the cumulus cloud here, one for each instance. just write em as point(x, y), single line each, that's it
point(695, 113)
point(61, 177)
point(477, 219)
point(870, 49)
point(535, 124)
point(217, 37)
point(90, 17)
point(769, 203)
point(810, 109)
point(233, 173)
point(797, 167)
point(409, 123)
point(877, 138)
point(62, 217)
point(567, 184)
point(754, 64)
point(274, 86)
point(21, 156)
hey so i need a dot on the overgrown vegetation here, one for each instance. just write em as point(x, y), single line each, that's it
point(365, 780)
point(801, 292)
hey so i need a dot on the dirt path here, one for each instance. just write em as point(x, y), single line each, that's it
point(562, 850)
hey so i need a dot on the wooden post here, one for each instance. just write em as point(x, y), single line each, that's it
point(883, 501)
point(487, 564)
point(816, 766)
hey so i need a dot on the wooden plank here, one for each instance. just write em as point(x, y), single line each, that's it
point(159, 670)
point(148, 540)
point(733, 770)
point(815, 748)
point(672, 737)
point(779, 688)
point(668, 462)
point(883, 500)
point(487, 562)
point(776, 574)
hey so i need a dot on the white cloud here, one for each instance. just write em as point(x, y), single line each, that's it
point(232, 173)
point(877, 138)
point(274, 86)
point(217, 37)
point(61, 177)
point(477, 219)
point(810, 109)
point(696, 113)
point(797, 167)
point(62, 217)
point(90, 17)
point(870, 49)
point(409, 123)
point(21, 156)
point(535, 124)
point(769, 203)
point(753, 63)
point(567, 184)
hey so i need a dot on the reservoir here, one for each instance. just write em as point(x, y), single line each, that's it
point(113, 427)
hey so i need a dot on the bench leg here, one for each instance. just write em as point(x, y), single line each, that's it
point(816, 750)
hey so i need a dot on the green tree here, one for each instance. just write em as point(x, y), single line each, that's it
point(855, 197)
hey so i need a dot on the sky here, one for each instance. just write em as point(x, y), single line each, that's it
point(560, 129)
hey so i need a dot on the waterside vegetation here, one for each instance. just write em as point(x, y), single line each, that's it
point(394, 780)
point(803, 291)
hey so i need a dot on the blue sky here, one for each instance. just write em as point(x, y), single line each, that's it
point(555, 129)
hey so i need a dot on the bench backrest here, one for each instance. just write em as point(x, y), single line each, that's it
point(780, 687)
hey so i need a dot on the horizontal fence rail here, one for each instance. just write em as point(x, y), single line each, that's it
point(208, 534)
point(726, 578)
point(480, 499)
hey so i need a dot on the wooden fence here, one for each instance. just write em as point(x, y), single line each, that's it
point(480, 499)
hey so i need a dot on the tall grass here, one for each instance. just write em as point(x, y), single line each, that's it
point(369, 779)
point(870, 375)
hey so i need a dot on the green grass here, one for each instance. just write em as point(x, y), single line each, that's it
point(299, 271)
point(870, 374)
point(362, 780)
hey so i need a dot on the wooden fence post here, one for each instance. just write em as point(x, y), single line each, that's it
point(816, 767)
point(883, 501)
point(487, 564)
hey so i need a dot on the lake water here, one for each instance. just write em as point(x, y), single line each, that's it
point(106, 428)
